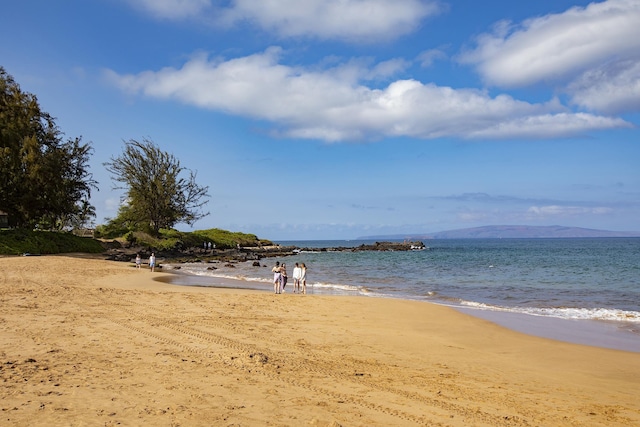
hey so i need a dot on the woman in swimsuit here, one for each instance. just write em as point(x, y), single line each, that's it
point(276, 277)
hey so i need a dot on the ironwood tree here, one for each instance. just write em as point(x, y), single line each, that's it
point(157, 194)
point(44, 180)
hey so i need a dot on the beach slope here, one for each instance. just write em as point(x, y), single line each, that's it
point(94, 342)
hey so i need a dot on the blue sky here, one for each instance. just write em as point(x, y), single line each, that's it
point(334, 119)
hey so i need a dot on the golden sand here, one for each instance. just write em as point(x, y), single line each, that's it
point(86, 342)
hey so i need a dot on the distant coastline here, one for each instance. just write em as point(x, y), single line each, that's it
point(510, 232)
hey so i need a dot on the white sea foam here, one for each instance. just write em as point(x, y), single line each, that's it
point(337, 288)
point(564, 312)
point(200, 271)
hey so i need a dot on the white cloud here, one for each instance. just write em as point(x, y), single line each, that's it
point(352, 19)
point(428, 57)
point(564, 211)
point(543, 126)
point(360, 20)
point(172, 9)
point(611, 88)
point(558, 46)
point(333, 104)
point(387, 69)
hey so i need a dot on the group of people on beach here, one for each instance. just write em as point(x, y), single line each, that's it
point(279, 275)
point(152, 262)
point(280, 278)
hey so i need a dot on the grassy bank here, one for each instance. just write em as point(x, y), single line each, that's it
point(18, 242)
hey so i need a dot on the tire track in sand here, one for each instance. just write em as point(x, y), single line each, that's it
point(264, 361)
point(271, 364)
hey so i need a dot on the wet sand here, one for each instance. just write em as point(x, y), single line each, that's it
point(614, 335)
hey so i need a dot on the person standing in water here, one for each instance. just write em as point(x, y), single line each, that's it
point(276, 277)
point(283, 276)
point(296, 278)
point(303, 278)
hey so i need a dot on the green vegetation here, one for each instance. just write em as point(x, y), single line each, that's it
point(224, 239)
point(45, 180)
point(178, 240)
point(45, 185)
point(157, 197)
point(21, 241)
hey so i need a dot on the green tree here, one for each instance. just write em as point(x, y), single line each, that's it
point(43, 179)
point(156, 196)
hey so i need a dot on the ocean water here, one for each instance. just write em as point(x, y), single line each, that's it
point(574, 279)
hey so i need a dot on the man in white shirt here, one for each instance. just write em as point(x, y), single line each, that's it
point(297, 274)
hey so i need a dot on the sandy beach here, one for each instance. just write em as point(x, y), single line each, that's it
point(88, 342)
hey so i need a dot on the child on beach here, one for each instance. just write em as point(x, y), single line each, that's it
point(138, 261)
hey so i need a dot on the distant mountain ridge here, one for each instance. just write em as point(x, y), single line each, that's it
point(511, 232)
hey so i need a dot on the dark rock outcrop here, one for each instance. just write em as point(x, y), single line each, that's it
point(377, 246)
point(243, 254)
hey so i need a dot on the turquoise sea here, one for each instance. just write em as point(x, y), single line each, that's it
point(585, 281)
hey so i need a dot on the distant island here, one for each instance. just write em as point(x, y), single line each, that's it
point(509, 232)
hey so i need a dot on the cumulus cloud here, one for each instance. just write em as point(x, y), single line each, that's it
point(546, 126)
point(558, 46)
point(612, 88)
point(361, 20)
point(333, 104)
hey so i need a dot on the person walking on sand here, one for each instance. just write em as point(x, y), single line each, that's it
point(296, 278)
point(283, 276)
point(276, 277)
point(138, 261)
point(303, 278)
point(152, 262)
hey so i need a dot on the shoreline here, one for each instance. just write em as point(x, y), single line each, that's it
point(603, 334)
point(596, 333)
point(94, 342)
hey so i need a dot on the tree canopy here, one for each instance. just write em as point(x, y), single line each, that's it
point(43, 180)
point(156, 195)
